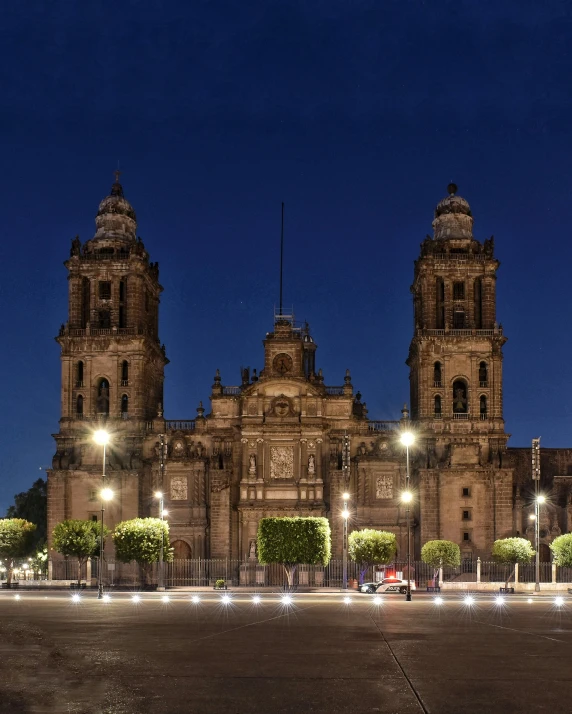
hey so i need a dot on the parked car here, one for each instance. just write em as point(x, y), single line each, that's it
point(387, 585)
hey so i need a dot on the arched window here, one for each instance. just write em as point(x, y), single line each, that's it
point(85, 302)
point(79, 375)
point(437, 374)
point(478, 290)
point(483, 406)
point(483, 375)
point(460, 400)
point(458, 291)
point(440, 304)
point(458, 318)
point(103, 397)
point(124, 373)
point(79, 405)
point(438, 412)
point(125, 406)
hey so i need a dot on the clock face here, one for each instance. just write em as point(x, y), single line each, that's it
point(282, 363)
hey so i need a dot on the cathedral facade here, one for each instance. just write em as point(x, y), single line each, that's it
point(282, 442)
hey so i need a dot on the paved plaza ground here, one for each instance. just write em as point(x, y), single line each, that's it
point(317, 655)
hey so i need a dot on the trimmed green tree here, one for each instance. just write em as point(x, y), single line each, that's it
point(438, 553)
point(371, 547)
point(511, 551)
point(561, 548)
point(16, 541)
point(294, 541)
point(78, 539)
point(32, 506)
point(140, 539)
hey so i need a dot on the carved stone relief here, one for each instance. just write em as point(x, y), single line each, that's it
point(281, 462)
point(384, 486)
point(179, 488)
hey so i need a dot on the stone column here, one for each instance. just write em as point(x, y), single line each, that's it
point(478, 570)
point(88, 571)
point(515, 574)
point(50, 569)
point(553, 573)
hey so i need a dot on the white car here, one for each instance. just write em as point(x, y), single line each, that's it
point(387, 585)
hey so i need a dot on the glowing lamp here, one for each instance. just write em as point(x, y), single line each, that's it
point(407, 438)
point(101, 437)
point(106, 494)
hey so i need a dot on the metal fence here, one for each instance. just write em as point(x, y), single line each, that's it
point(200, 572)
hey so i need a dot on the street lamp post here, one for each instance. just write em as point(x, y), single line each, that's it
point(101, 437)
point(536, 518)
point(407, 439)
point(162, 513)
point(345, 516)
point(538, 499)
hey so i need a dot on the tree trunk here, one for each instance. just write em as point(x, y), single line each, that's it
point(290, 571)
point(510, 574)
point(79, 564)
point(146, 570)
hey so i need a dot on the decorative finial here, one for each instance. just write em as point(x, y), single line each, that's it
point(452, 189)
point(117, 174)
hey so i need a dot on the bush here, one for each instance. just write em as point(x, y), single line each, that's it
point(140, 539)
point(561, 548)
point(294, 541)
point(16, 541)
point(512, 551)
point(371, 547)
point(441, 552)
point(78, 539)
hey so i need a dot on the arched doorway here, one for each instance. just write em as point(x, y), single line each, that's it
point(544, 552)
point(181, 550)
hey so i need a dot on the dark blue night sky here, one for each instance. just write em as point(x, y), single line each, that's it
point(355, 114)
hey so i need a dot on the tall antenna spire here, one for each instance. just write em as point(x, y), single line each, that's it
point(281, 255)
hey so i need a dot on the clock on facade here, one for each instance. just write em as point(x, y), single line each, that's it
point(282, 363)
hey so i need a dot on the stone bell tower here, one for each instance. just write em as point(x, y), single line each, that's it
point(112, 366)
point(455, 361)
point(112, 362)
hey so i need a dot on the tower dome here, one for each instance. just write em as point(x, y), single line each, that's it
point(116, 219)
point(453, 218)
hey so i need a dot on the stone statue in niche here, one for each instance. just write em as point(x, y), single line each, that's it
point(460, 398)
point(252, 550)
point(75, 246)
point(311, 464)
point(103, 398)
point(384, 486)
point(252, 464)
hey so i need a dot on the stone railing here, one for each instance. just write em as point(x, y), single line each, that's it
point(180, 424)
point(334, 391)
point(230, 391)
point(376, 425)
point(420, 332)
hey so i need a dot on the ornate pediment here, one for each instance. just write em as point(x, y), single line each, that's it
point(380, 448)
point(281, 407)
